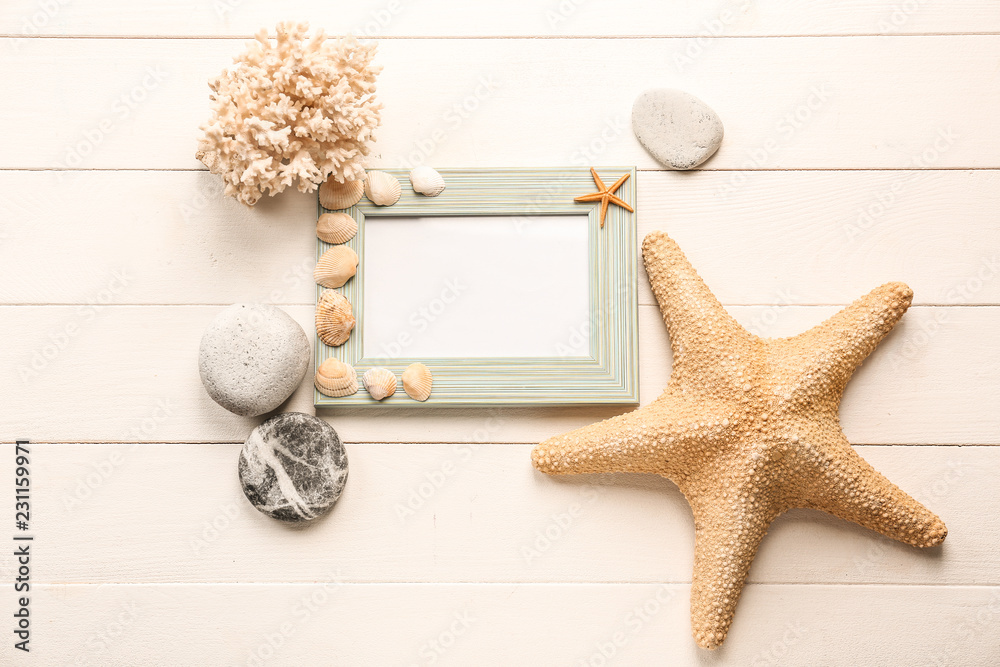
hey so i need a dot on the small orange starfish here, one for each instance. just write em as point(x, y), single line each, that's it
point(606, 195)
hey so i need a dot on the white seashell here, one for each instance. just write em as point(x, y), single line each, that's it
point(335, 378)
point(336, 266)
point(417, 382)
point(382, 188)
point(336, 196)
point(334, 318)
point(380, 382)
point(336, 227)
point(426, 181)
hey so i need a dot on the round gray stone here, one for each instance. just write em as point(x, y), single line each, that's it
point(677, 128)
point(293, 467)
point(252, 357)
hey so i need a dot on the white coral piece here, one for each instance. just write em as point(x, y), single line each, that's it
point(295, 110)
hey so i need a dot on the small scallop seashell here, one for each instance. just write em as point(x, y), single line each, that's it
point(335, 196)
point(380, 382)
point(335, 378)
point(427, 181)
point(382, 188)
point(336, 266)
point(334, 318)
point(417, 382)
point(336, 227)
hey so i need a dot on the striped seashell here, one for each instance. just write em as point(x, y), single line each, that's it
point(336, 266)
point(336, 196)
point(336, 227)
point(427, 181)
point(380, 382)
point(382, 189)
point(334, 318)
point(417, 382)
point(335, 378)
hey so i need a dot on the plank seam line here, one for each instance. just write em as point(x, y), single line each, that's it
point(638, 169)
point(837, 584)
point(207, 37)
point(74, 304)
point(429, 443)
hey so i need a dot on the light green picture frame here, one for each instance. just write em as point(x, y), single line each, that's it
point(607, 375)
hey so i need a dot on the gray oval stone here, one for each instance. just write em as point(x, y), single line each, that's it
point(252, 357)
point(293, 467)
point(677, 128)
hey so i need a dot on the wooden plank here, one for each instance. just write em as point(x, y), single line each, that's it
point(467, 513)
point(776, 237)
point(829, 237)
point(503, 625)
point(151, 237)
point(384, 18)
point(128, 373)
point(854, 102)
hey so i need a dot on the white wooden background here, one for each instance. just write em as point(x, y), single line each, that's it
point(861, 146)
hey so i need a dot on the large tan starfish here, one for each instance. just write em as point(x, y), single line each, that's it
point(605, 194)
point(747, 428)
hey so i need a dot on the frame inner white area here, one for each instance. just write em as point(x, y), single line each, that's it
point(471, 286)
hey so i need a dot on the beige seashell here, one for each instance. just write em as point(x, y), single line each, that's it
point(427, 181)
point(336, 266)
point(336, 196)
point(335, 378)
point(334, 318)
point(380, 382)
point(382, 188)
point(417, 382)
point(336, 227)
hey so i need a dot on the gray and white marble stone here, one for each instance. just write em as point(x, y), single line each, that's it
point(677, 128)
point(252, 357)
point(293, 467)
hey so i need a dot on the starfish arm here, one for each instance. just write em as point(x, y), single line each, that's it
point(726, 541)
point(850, 488)
point(822, 360)
point(624, 205)
point(652, 439)
point(593, 196)
point(702, 333)
point(604, 210)
point(597, 180)
point(617, 184)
